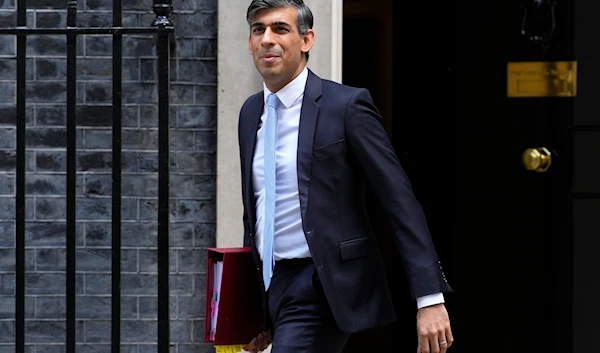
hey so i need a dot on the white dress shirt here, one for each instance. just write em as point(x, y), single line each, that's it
point(289, 241)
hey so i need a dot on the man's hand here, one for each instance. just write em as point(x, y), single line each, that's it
point(259, 343)
point(433, 329)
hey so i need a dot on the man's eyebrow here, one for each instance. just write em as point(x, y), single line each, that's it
point(276, 23)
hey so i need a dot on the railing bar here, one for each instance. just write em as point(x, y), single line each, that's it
point(76, 30)
point(20, 193)
point(116, 190)
point(71, 175)
point(21, 12)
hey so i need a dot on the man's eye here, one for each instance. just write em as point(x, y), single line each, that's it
point(257, 30)
point(281, 29)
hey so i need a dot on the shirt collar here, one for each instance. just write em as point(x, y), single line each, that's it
point(290, 93)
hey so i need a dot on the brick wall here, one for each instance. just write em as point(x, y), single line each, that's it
point(193, 136)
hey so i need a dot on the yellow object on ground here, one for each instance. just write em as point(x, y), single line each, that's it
point(229, 349)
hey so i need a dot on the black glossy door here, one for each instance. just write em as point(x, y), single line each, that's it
point(504, 234)
point(502, 231)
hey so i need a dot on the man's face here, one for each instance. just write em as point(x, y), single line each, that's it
point(276, 46)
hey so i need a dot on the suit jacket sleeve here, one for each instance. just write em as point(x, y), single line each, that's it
point(245, 218)
point(370, 144)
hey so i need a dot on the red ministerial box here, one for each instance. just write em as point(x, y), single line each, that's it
point(240, 315)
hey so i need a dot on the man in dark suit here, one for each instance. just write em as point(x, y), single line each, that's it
point(308, 148)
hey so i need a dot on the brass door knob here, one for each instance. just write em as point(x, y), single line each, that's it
point(537, 159)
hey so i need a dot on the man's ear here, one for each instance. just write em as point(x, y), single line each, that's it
point(249, 46)
point(308, 39)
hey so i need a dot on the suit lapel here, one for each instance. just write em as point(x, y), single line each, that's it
point(252, 120)
point(306, 134)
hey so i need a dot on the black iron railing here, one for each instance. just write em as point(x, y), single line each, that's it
point(162, 27)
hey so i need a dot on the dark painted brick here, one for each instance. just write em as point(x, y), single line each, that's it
point(182, 141)
point(7, 284)
point(181, 284)
point(51, 19)
point(51, 69)
point(186, 210)
point(51, 115)
point(51, 259)
point(50, 307)
point(200, 284)
point(94, 19)
point(89, 307)
point(51, 160)
point(130, 71)
point(46, 92)
point(140, 185)
point(45, 283)
point(94, 115)
point(7, 260)
point(191, 306)
point(97, 283)
point(129, 261)
point(46, 45)
point(181, 331)
point(98, 331)
point(182, 186)
point(206, 95)
point(8, 160)
point(98, 92)
point(206, 141)
point(149, 115)
point(148, 162)
point(7, 233)
point(99, 5)
point(139, 283)
point(203, 163)
point(94, 260)
point(205, 186)
point(191, 260)
point(50, 208)
point(182, 94)
point(8, 18)
point(7, 185)
point(139, 331)
point(7, 331)
point(139, 234)
point(129, 308)
point(196, 348)
point(45, 234)
point(198, 71)
point(185, 48)
point(8, 69)
point(7, 311)
point(130, 116)
point(46, 137)
point(131, 20)
point(200, 24)
point(98, 185)
point(137, 5)
point(45, 184)
point(47, 4)
point(139, 46)
point(141, 93)
point(205, 48)
point(197, 117)
point(8, 115)
point(148, 261)
point(98, 234)
point(7, 208)
point(148, 70)
point(98, 45)
point(94, 208)
point(7, 92)
point(140, 139)
point(94, 69)
point(7, 45)
point(98, 139)
point(204, 235)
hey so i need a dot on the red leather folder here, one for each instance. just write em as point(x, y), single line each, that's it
point(240, 315)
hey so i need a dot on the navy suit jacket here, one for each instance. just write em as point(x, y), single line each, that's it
point(343, 147)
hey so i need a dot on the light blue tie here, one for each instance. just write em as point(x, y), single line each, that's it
point(270, 171)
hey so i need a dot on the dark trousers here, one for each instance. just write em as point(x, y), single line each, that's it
point(301, 317)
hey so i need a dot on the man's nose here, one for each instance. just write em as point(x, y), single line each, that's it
point(268, 37)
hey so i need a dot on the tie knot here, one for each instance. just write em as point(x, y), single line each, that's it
point(273, 100)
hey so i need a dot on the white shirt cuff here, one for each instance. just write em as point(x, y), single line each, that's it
point(431, 299)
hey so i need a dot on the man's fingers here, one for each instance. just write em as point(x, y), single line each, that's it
point(449, 337)
point(423, 344)
point(443, 342)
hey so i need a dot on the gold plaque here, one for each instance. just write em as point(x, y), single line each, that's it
point(542, 79)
